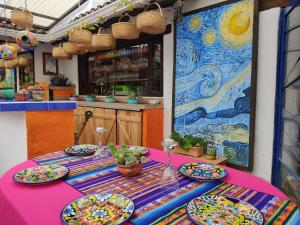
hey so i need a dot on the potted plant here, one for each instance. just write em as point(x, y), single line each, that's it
point(133, 98)
point(189, 145)
point(90, 98)
point(129, 161)
point(109, 99)
point(81, 34)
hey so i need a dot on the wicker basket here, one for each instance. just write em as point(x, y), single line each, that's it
point(125, 30)
point(70, 48)
point(91, 48)
point(151, 22)
point(59, 53)
point(12, 63)
point(80, 36)
point(1, 64)
point(22, 18)
point(24, 62)
point(103, 41)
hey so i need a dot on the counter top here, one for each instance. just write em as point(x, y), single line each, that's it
point(123, 106)
point(7, 106)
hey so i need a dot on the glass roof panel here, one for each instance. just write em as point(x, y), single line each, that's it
point(52, 8)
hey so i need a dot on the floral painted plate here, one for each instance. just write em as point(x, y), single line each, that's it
point(213, 209)
point(143, 150)
point(82, 150)
point(98, 209)
point(41, 174)
point(202, 171)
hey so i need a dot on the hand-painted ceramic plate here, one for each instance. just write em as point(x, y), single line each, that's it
point(41, 174)
point(213, 209)
point(143, 150)
point(82, 150)
point(202, 171)
point(98, 209)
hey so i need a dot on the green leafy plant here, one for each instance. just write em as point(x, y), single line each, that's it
point(91, 95)
point(188, 141)
point(85, 26)
point(133, 96)
point(111, 96)
point(125, 156)
point(128, 4)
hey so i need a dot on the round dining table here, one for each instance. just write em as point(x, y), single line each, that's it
point(22, 204)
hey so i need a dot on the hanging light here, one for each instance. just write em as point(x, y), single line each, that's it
point(22, 17)
point(26, 40)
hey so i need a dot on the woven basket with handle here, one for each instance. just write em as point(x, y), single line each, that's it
point(24, 62)
point(103, 41)
point(80, 36)
point(70, 48)
point(59, 53)
point(151, 22)
point(125, 30)
point(22, 18)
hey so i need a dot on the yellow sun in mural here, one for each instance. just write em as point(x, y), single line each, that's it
point(209, 37)
point(195, 24)
point(236, 24)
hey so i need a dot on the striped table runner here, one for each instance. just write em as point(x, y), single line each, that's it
point(154, 206)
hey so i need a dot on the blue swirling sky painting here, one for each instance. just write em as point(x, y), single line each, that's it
point(213, 77)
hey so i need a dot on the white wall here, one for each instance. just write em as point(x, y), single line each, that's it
point(266, 85)
point(13, 147)
point(66, 67)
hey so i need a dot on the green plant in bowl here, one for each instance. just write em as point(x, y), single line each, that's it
point(90, 98)
point(133, 98)
point(109, 99)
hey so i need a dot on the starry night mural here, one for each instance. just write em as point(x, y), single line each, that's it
point(214, 61)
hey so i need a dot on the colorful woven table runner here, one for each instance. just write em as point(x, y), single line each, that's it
point(153, 206)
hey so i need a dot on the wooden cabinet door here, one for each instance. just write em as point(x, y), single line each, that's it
point(106, 118)
point(87, 136)
point(129, 129)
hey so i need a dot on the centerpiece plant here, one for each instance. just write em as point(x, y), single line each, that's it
point(129, 161)
point(133, 98)
point(189, 144)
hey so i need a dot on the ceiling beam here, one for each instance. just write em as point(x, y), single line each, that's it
point(33, 13)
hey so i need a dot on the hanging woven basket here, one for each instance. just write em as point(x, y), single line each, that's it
point(70, 48)
point(91, 48)
point(24, 62)
point(12, 63)
point(125, 30)
point(151, 22)
point(1, 64)
point(82, 49)
point(103, 41)
point(80, 36)
point(59, 53)
point(22, 18)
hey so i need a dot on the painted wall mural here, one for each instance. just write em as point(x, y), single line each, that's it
point(214, 75)
point(7, 84)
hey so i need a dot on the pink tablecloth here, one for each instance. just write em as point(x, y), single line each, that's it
point(42, 205)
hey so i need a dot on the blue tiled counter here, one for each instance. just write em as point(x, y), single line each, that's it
point(7, 106)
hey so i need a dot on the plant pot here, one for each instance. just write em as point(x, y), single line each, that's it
point(133, 101)
point(193, 151)
point(109, 100)
point(73, 98)
point(63, 83)
point(130, 171)
point(90, 99)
